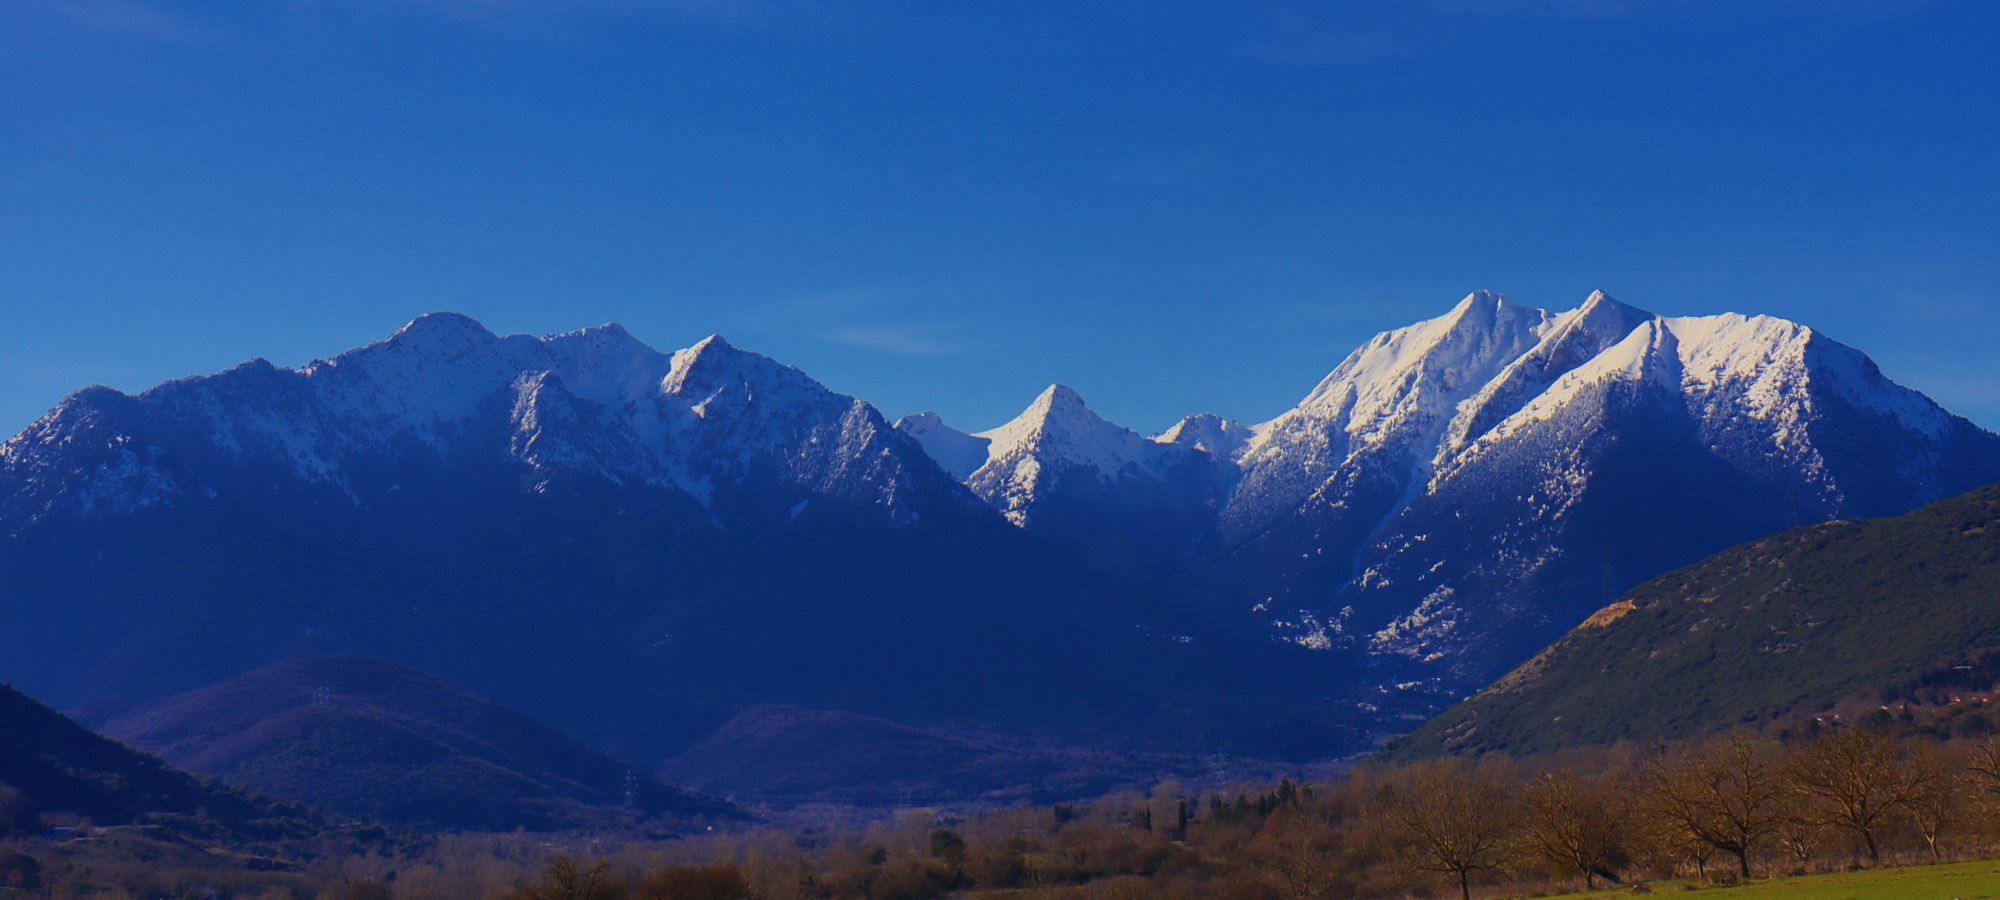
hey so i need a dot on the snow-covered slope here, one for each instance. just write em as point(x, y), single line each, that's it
point(595, 404)
point(1371, 427)
point(632, 545)
point(1212, 434)
point(1453, 494)
point(1458, 490)
point(1461, 490)
point(959, 453)
point(1058, 438)
point(1123, 501)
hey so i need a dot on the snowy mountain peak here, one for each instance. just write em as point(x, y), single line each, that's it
point(1453, 490)
point(1484, 331)
point(1059, 437)
point(1212, 434)
point(1570, 340)
point(1541, 413)
point(596, 403)
point(608, 336)
point(1059, 401)
point(713, 345)
point(1600, 314)
point(1598, 298)
point(1481, 302)
point(1058, 419)
point(1393, 397)
point(438, 332)
point(604, 363)
point(708, 364)
point(1602, 307)
point(1525, 415)
point(958, 453)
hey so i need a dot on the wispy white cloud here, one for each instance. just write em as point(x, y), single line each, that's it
point(902, 321)
point(905, 339)
point(806, 310)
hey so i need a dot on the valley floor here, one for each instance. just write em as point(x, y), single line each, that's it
point(1949, 881)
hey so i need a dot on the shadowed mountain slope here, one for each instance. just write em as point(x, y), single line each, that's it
point(632, 546)
point(636, 546)
point(51, 765)
point(375, 739)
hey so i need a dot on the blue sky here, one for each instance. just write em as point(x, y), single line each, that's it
point(1172, 207)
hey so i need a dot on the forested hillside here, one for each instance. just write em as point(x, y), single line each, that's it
point(1783, 625)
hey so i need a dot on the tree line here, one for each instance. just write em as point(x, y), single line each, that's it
point(1718, 810)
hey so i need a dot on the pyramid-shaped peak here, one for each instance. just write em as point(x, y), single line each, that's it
point(1600, 315)
point(1480, 311)
point(1481, 302)
point(712, 342)
point(713, 364)
point(1058, 432)
point(1057, 409)
point(1060, 396)
point(1601, 301)
point(704, 352)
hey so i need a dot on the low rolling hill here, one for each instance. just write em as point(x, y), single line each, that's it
point(371, 738)
point(51, 766)
point(1787, 624)
point(789, 757)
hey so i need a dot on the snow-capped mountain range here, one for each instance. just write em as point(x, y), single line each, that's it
point(1461, 489)
point(1018, 466)
point(631, 544)
point(1450, 497)
point(1123, 502)
point(593, 403)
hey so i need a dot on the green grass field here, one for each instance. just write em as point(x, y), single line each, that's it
point(1964, 881)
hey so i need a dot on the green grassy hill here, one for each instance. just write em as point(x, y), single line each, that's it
point(1778, 626)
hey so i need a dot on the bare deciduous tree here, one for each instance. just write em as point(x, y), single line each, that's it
point(1304, 858)
point(1452, 818)
point(1723, 793)
point(1943, 798)
point(1665, 846)
point(1982, 765)
point(1799, 831)
point(1578, 826)
point(1855, 779)
point(568, 879)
